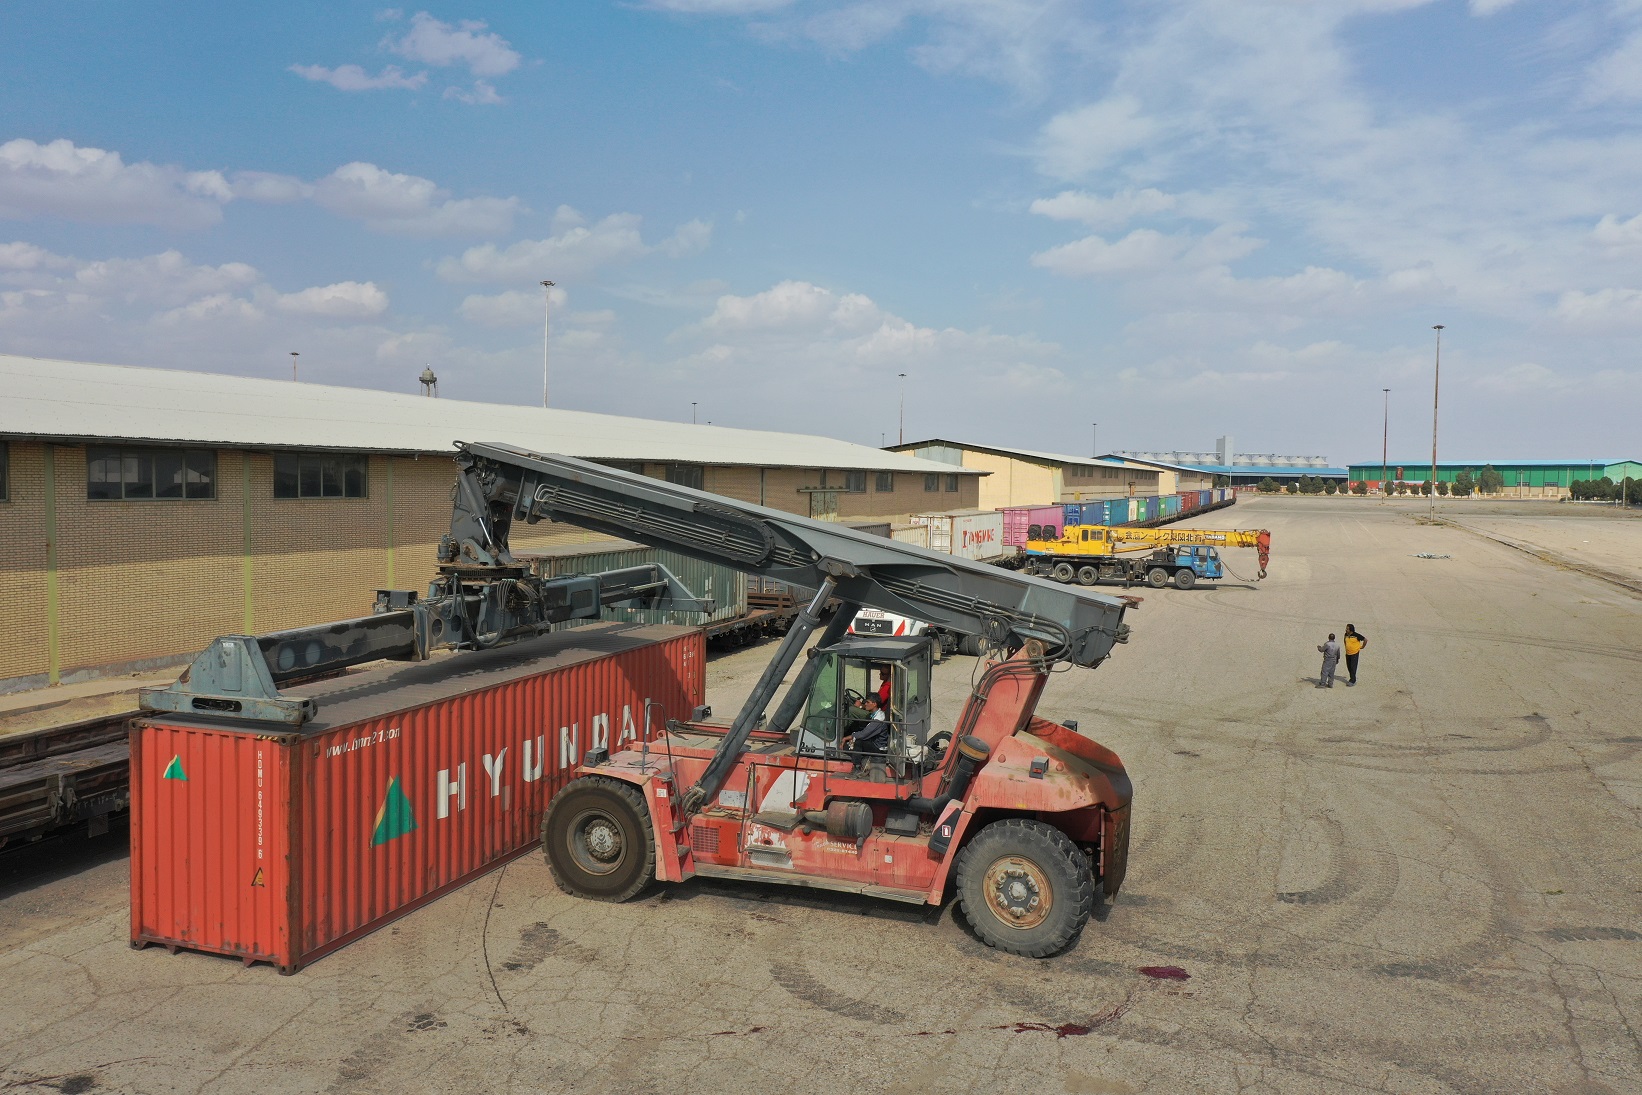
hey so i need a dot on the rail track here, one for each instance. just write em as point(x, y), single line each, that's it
point(62, 777)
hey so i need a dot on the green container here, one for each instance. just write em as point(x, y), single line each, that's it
point(726, 585)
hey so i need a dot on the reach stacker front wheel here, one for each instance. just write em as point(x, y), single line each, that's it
point(598, 841)
point(1025, 888)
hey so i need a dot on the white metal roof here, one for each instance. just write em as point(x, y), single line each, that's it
point(76, 400)
point(1024, 454)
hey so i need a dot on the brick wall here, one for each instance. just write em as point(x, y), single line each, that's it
point(23, 647)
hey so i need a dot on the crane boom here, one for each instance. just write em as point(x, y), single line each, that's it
point(500, 485)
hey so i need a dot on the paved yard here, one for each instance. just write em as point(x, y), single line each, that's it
point(1427, 883)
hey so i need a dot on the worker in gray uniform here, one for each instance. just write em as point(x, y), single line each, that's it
point(1331, 658)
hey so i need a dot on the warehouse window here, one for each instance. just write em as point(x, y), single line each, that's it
point(165, 474)
point(885, 482)
point(932, 483)
point(318, 475)
point(685, 475)
point(855, 482)
point(951, 483)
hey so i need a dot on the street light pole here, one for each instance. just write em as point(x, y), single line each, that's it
point(1385, 433)
point(294, 356)
point(1094, 439)
point(692, 412)
point(1436, 385)
point(547, 326)
point(901, 436)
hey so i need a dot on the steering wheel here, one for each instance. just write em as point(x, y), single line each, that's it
point(855, 698)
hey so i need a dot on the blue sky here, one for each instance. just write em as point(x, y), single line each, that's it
point(1179, 220)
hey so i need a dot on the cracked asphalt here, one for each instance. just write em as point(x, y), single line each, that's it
point(1427, 883)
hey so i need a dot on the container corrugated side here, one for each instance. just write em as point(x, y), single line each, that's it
point(726, 585)
point(977, 536)
point(282, 847)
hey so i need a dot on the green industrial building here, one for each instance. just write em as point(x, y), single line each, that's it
point(1523, 478)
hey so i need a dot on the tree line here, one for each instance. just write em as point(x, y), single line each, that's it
point(1467, 482)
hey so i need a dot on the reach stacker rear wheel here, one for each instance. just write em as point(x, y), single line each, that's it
point(1025, 888)
point(598, 841)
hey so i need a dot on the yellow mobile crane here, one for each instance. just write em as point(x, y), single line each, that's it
point(1087, 554)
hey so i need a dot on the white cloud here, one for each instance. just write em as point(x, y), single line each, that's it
point(1098, 212)
point(26, 256)
point(717, 7)
point(91, 184)
point(691, 238)
point(409, 205)
point(1145, 251)
point(354, 78)
point(576, 248)
point(1614, 233)
point(165, 278)
point(1618, 76)
point(514, 308)
point(1076, 143)
point(265, 186)
point(1604, 311)
point(216, 309)
point(467, 43)
point(343, 300)
point(480, 94)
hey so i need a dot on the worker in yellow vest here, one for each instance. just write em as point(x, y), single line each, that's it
point(1354, 643)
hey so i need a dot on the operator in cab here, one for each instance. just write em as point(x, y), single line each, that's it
point(869, 728)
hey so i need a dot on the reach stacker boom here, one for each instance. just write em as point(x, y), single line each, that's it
point(1026, 819)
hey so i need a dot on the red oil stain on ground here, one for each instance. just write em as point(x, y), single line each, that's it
point(1064, 1030)
point(1165, 973)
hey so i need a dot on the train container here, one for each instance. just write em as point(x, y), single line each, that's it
point(725, 585)
point(917, 535)
point(1020, 521)
point(968, 534)
point(280, 844)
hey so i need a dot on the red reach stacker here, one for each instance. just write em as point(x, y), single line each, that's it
point(848, 784)
point(1026, 820)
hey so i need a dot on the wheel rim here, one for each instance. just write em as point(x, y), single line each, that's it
point(1018, 892)
point(1063, 572)
point(596, 842)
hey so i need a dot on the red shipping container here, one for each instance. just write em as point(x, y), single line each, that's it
point(1018, 521)
point(278, 844)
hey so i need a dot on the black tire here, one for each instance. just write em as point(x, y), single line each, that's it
point(970, 646)
point(1062, 573)
point(1088, 576)
point(1157, 577)
point(1008, 872)
point(1185, 578)
point(598, 841)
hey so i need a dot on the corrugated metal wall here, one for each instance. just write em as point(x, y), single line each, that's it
point(725, 585)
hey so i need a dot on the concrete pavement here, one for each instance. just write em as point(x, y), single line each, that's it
point(1428, 883)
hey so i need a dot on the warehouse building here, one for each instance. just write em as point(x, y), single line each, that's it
point(144, 512)
point(1171, 478)
point(1523, 478)
point(1023, 477)
point(1241, 469)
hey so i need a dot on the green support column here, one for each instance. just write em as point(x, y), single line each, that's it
point(54, 637)
point(247, 576)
